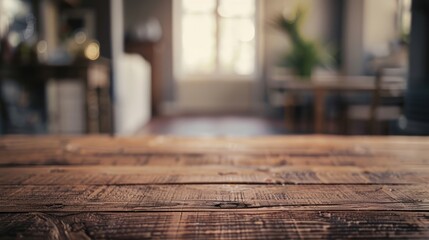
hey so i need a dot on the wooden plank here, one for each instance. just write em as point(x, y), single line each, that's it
point(211, 174)
point(360, 151)
point(97, 144)
point(217, 225)
point(181, 197)
point(290, 144)
point(231, 159)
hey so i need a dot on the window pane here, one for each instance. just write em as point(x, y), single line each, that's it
point(198, 43)
point(235, 8)
point(201, 6)
point(237, 46)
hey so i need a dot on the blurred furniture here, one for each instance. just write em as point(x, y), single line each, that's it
point(160, 187)
point(132, 94)
point(385, 104)
point(320, 86)
point(296, 107)
point(20, 113)
point(94, 77)
point(152, 52)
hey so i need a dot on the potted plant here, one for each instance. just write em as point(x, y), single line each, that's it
point(305, 54)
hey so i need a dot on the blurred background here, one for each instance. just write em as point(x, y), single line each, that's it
point(214, 67)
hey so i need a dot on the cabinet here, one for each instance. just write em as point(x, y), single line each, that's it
point(93, 77)
point(152, 52)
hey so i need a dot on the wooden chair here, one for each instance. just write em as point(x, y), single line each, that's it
point(289, 100)
point(385, 105)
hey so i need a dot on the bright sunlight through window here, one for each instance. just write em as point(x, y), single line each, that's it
point(217, 37)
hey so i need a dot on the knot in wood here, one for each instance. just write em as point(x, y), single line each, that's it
point(231, 205)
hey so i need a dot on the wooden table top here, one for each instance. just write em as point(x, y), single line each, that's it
point(99, 187)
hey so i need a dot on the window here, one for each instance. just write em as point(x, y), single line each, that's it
point(404, 17)
point(216, 37)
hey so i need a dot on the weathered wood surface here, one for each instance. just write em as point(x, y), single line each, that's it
point(217, 225)
point(276, 151)
point(24, 198)
point(99, 187)
point(211, 174)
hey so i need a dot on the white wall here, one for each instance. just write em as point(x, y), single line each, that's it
point(379, 25)
point(369, 28)
point(215, 96)
point(353, 55)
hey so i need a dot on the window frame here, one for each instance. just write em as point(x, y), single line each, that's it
point(216, 75)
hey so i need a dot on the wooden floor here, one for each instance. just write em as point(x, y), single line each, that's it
point(211, 188)
point(215, 125)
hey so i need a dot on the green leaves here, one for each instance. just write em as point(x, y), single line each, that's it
point(303, 58)
point(305, 54)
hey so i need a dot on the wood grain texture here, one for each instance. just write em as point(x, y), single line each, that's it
point(275, 151)
point(23, 198)
point(217, 225)
point(211, 174)
point(99, 187)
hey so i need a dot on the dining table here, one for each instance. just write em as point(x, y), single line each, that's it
point(171, 187)
point(321, 86)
